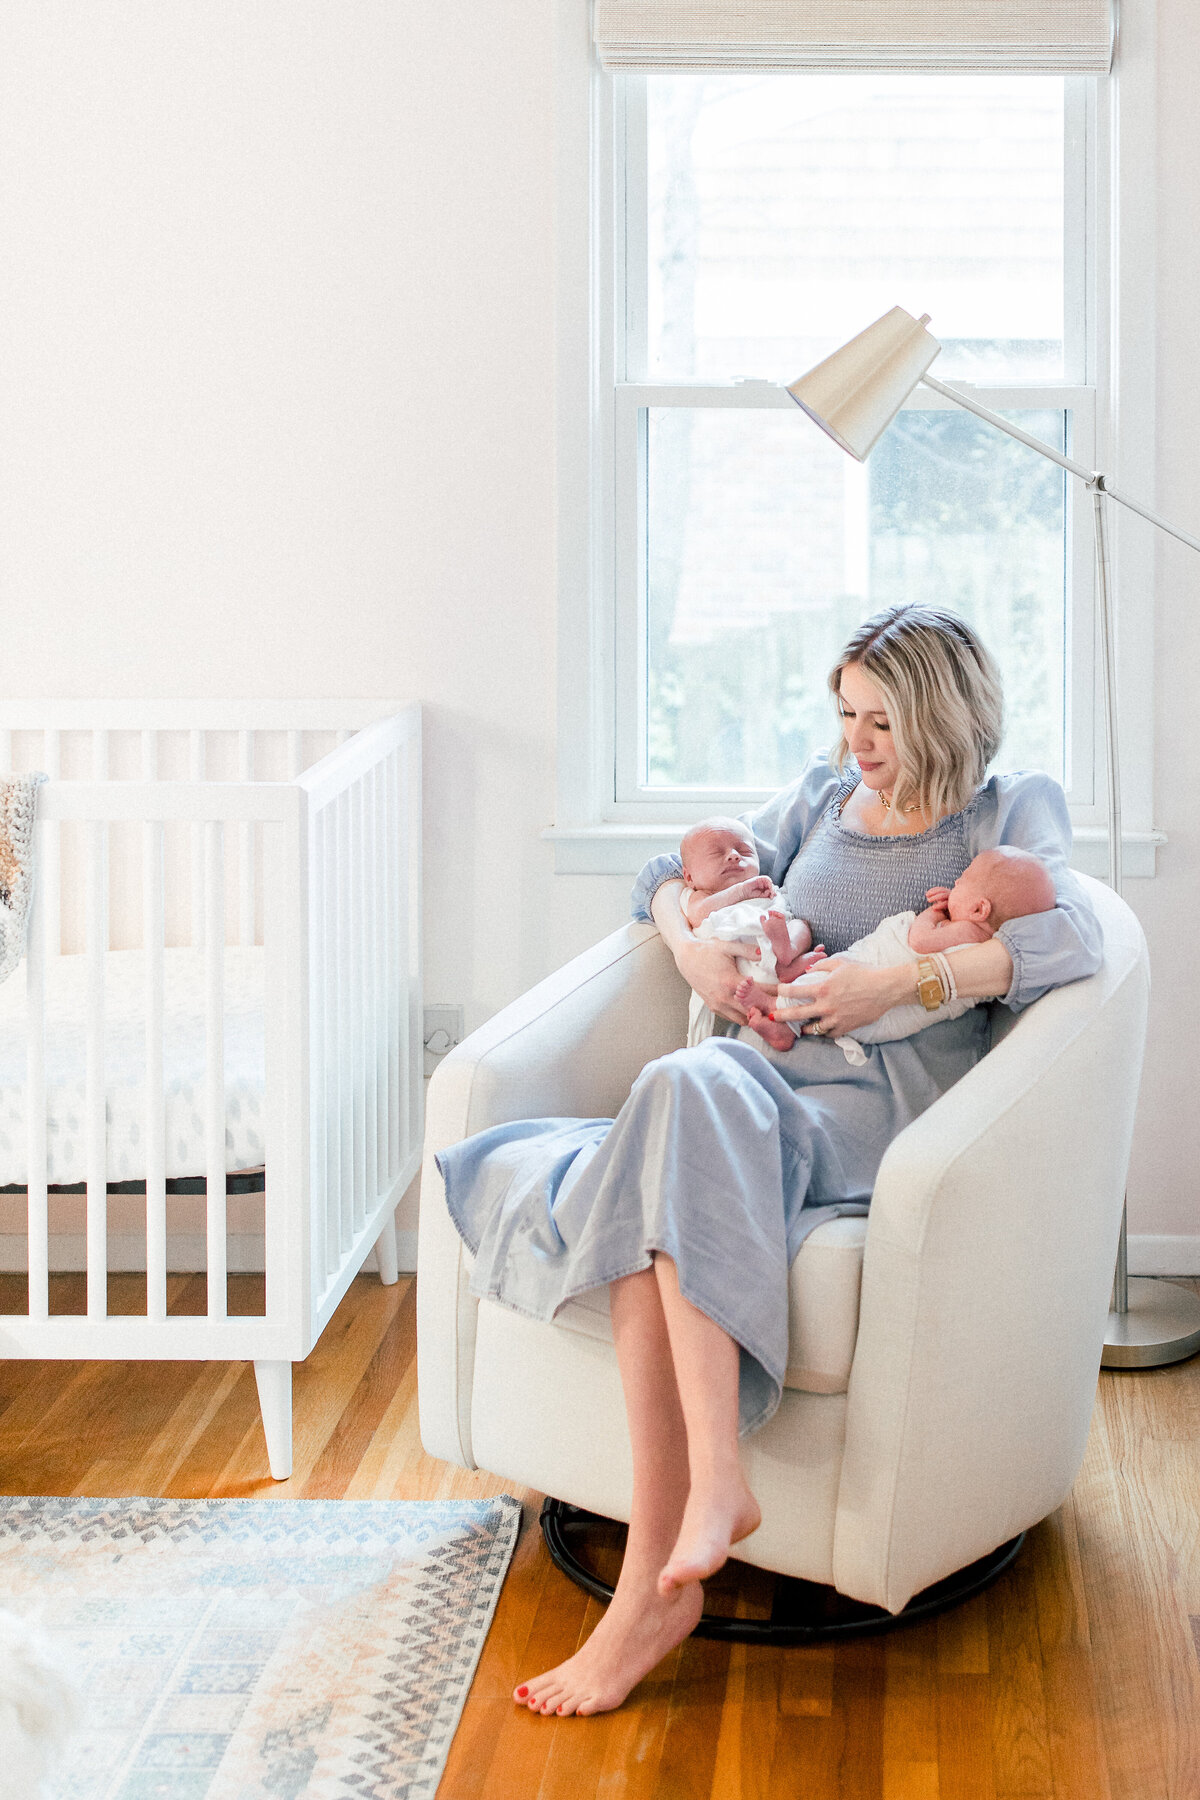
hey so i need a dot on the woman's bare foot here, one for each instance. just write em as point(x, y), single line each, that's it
point(640, 1627)
point(718, 1515)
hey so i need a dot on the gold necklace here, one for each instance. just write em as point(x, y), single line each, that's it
point(887, 804)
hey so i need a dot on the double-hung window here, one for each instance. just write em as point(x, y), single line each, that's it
point(764, 219)
point(747, 222)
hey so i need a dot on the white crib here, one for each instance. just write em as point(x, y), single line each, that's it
point(207, 824)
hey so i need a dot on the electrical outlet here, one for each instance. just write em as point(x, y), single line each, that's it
point(443, 1029)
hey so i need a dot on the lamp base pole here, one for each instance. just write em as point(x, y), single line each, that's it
point(1160, 1326)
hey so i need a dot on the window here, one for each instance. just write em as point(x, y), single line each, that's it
point(715, 547)
point(765, 219)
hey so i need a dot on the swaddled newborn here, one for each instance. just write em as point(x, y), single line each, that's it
point(997, 886)
point(725, 897)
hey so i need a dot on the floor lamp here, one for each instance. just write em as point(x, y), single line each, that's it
point(853, 396)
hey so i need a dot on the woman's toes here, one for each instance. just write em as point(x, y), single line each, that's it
point(675, 1575)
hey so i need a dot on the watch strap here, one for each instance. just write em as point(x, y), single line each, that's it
point(930, 989)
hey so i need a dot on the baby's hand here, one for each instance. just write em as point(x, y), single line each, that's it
point(759, 887)
point(938, 896)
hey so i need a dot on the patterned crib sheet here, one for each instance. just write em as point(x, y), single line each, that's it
point(125, 1065)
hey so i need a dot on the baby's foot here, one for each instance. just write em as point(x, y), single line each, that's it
point(778, 934)
point(772, 1031)
point(800, 964)
point(757, 1003)
point(718, 1515)
point(750, 993)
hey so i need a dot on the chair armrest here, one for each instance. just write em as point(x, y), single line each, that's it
point(571, 1047)
point(986, 1280)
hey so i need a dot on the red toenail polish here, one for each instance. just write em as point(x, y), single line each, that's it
point(521, 1692)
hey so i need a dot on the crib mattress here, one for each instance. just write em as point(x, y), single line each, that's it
point(125, 1065)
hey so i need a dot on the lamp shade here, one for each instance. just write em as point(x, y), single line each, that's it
point(856, 393)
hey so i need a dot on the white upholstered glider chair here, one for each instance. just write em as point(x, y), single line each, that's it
point(944, 1351)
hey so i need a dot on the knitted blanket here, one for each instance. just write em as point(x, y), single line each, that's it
point(18, 802)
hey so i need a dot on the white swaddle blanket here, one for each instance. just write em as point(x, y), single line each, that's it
point(886, 947)
point(731, 924)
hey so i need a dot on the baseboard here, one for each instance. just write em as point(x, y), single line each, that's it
point(1154, 1254)
point(127, 1252)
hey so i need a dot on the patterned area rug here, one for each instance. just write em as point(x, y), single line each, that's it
point(260, 1649)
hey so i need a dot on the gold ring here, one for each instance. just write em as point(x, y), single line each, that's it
point(817, 1028)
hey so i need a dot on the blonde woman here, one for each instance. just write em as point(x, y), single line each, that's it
point(692, 1203)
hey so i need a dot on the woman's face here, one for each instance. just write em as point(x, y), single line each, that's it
point(866, 725)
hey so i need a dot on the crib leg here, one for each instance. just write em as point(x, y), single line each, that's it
point(386, 1253)
point(274, 1381)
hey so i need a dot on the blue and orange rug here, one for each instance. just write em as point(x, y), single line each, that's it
point(259, 1649)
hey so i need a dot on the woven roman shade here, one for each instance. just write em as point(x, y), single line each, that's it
point(1032, 37)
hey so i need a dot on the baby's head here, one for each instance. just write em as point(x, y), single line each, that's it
point(717, 854)
point(999, 885)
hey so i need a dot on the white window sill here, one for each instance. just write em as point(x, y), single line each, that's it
point(622, 849)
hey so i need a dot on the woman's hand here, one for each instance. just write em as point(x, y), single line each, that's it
point(850, 996)
point(708, 965)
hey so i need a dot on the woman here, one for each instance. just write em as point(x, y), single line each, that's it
point(693, 1202)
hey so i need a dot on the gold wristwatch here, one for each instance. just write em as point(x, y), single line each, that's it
point(930, 991)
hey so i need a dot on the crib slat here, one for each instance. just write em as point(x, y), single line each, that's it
point(246, 836)
point(295, 754)
point(331, 1050)
point(96, 1136)
point(390, 972)
point(345, 1072)
point(196, 773)
point(51, 865)
point(38, 1227)
point(402, 985)
point(338, 1041)
point(336, 1060)
point(355, 876)
point(214, 1080)
point(153, 939)
point(153, 934)
point(318, 1028)
point(371, 996)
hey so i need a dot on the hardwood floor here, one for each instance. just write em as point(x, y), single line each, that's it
point(1075, 1678)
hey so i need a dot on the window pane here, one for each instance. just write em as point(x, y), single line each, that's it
point(766, 545)
point(788, 211)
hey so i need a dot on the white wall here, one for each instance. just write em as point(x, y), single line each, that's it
point(1165, 1178)
point(277, 417)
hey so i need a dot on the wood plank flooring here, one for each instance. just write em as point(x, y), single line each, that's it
point(1075, 1678)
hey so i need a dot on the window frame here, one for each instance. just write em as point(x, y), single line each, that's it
point(603, 825)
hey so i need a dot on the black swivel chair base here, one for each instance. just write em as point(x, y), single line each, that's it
point(802, 1612)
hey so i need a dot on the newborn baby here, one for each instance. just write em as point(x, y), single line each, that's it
point(999, 885)
point(725, 897)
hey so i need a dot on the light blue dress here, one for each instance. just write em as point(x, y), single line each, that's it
point(726, 1155)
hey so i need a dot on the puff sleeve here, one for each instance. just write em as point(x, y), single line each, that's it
point(1029, 812)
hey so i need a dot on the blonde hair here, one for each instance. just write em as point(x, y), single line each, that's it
point(944, 702)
